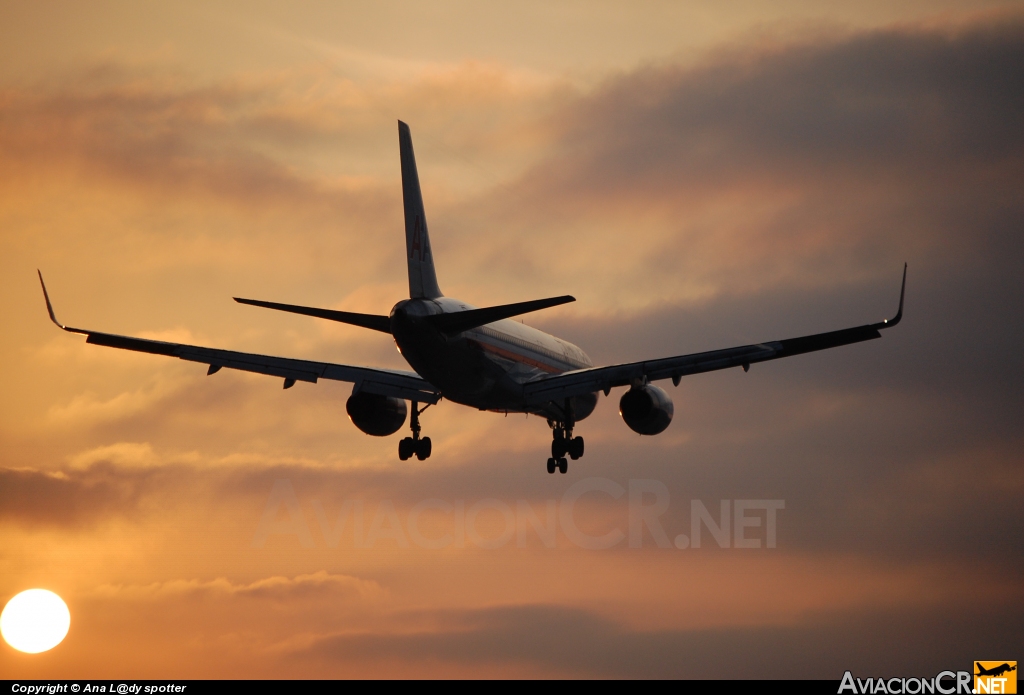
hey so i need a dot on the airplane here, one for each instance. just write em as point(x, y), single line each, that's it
point(995, 671)
point(479, 357)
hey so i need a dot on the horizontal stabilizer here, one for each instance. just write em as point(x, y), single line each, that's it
point(371, 321)
point(452, 324)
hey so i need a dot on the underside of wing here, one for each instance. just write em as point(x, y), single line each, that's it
point(557, 387)
point(385, 382)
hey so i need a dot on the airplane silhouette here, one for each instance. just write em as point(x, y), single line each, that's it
point(479, 357)
point(994, 671)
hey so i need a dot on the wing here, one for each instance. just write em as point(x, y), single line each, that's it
point(581, 381)
point(386, 382)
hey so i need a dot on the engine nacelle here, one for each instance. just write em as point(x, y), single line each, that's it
point(583, 406)
point(646, 409)
point(376, 415)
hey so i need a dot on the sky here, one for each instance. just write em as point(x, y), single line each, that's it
point(698, 175)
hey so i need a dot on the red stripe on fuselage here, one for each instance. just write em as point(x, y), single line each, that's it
point(516, 357)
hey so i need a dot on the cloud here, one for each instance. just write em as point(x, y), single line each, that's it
point(135, 481)
point(901, 101)
point(318, 586)
point(254, 140)
point(576, 642)
point(86, 409)
point(44, 499)
point(802, 166)
point(128, 454)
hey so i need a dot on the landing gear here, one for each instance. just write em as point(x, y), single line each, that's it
point(563, 442)
point(414, 445)
point(559, 464)
point(409, 446)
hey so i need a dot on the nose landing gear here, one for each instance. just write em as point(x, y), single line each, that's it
point(414, 445)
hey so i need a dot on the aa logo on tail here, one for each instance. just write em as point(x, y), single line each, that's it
point(420, 246)
point(995, 677)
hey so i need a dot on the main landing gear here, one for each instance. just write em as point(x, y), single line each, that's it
point(414, 445)
point(563, 442)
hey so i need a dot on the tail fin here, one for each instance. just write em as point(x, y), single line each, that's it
point(422, 279)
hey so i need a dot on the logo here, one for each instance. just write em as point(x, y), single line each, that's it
point(420, 247)
point(995, 677)
point(946, 683)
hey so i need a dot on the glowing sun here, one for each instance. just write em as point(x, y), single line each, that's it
point(35, 620)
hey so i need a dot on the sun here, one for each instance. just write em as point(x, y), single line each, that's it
point(35, 620)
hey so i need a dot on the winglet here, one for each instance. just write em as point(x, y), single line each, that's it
point(49, 307)
point(889, 323)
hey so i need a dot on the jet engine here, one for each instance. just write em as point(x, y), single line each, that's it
point(376, 415)
point(584, 405)
point(646, 409)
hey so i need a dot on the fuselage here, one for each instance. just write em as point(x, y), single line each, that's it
point(485, 367)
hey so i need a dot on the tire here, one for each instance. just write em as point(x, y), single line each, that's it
point(563, 466)
point(558, 448)
point(423, 449)
point(405, 449)
point(551, 465)
point(576, 448)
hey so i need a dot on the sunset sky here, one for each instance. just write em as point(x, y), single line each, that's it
point(697, 174)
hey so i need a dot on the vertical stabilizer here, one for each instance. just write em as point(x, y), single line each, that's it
point(422, 279)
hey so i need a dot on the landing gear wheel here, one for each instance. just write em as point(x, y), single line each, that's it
point(405, 448)
point(575, 448)
point(552, 463)
point(423, 449)
point(559, 447)
point(563, 466)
